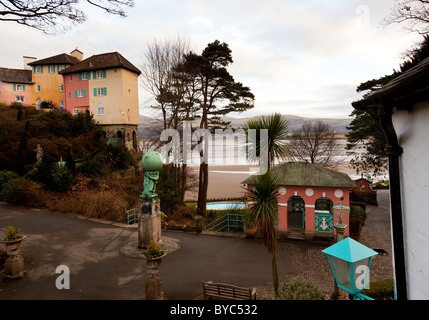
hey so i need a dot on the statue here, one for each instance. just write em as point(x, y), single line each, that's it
point(39, 154)
point(149, 227)
point(151, 163)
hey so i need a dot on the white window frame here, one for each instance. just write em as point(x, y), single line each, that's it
point(71, 78)
point(84, 76)
point(99, 74)
point(75, 111)
point(38, 69)
point(61, 86)
point(51, 69)
point(62, 67)
point(61, 104)
point(100, 92)
point(38, 88)
point(20, 99)
point(19, 87)
point(100, 107)
point(80, 93)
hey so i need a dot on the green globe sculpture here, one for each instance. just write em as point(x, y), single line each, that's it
point(151, 163)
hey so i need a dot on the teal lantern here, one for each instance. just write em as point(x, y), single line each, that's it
point(350, 262)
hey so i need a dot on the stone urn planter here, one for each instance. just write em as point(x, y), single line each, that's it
point(153, 284)
point(14, 265)
point(251, 230)
point(12, 246)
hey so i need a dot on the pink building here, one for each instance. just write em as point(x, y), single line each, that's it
point(15, 86)
point(307, 195)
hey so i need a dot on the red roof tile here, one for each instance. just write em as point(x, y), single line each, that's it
point(102, 61)
point(15, 75)
point(62, 58)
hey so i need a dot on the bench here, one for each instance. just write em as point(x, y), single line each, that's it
point(227, 291)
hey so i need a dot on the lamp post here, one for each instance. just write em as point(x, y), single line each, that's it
point(341, 208)
point(350, 262)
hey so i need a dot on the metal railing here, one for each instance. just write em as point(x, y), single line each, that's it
point(228, 221)
point(133, 216)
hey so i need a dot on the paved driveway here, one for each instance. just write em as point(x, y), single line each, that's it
point(98, 270)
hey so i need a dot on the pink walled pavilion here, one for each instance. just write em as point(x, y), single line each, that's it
point(309, 182)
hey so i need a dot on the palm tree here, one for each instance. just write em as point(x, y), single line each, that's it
point(273, 145)
point(264, 204)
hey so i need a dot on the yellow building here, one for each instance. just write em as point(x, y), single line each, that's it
point(106, 85)
point(48, 83)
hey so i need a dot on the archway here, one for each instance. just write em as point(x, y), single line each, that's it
point(134, 140)
point(296, 213)
point(323, 216)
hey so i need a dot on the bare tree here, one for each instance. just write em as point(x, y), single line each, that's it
point(162, 79)
point(51, 16)
point(413, 12)
point(315, 143)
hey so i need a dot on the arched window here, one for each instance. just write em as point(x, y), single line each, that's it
point(100, 107)
point(134, 140)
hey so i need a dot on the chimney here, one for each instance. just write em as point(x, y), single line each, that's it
point(77, 54)
point(27, 60)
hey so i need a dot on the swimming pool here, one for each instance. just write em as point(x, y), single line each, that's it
point(225, 205)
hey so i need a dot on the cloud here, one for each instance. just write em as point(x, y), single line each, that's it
point(304, 57)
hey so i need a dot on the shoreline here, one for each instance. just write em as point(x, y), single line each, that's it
point(225, 180)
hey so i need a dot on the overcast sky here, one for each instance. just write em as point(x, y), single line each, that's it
point(299, 57)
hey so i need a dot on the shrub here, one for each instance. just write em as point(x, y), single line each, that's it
point(118, 156)
point(380, 290)
point(357, 219)
point(5, 176)
point(153, 250)
point(12, 233)
point(53, 177)
point(19, 191)
point(299, 289)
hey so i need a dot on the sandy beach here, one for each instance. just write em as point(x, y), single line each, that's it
point(225, 181)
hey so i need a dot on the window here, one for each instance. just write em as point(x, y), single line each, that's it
point(99, 74)
point(61, 104)
point(84, 76)
point(71, 78)
point(61, 87)
point(51, 69)
point(38, 69)
point(100, 109)
point(61, 68)
point(100, 92)
point(80, 93)
point(18, 87)
point(75, 111)
point(38, 88)
point(20, 99)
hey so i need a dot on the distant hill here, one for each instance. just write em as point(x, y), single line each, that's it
point(149, 126)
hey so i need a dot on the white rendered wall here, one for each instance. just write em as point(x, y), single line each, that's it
point(412, 128)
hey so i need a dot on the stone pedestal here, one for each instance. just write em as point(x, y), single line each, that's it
point(14, 267)
point(153, 280)
point(149, 227)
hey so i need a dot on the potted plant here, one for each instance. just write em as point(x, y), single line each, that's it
point(250, 226)
point(199, 223)
point(13, 239)
point(14, 265)
point(154, 254)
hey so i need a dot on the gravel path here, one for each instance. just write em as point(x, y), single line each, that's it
point(313, 265)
